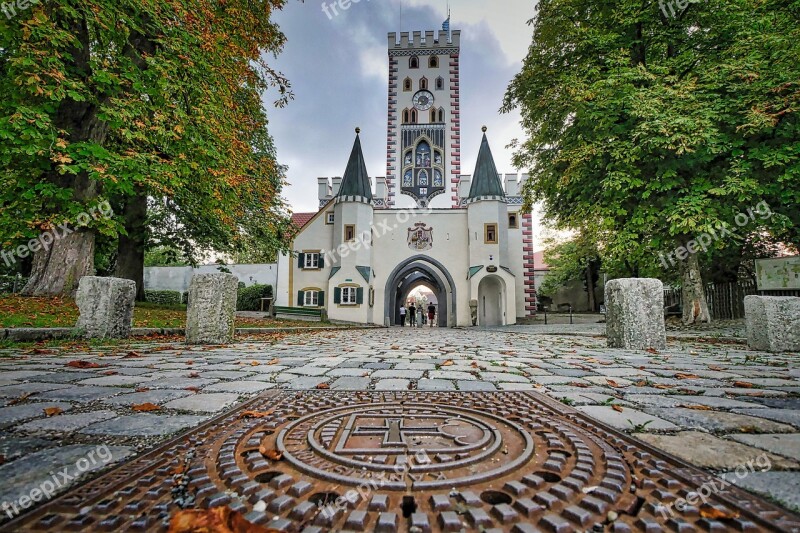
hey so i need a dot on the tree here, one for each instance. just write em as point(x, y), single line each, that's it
point(131, 101)
point(575, 259)
point(661, 128)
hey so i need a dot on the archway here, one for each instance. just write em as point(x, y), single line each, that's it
point(491, 301)
point(416, 271)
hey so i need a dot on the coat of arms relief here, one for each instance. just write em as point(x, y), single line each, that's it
point(420, 238)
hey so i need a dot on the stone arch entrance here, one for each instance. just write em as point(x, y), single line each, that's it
point(491, 301)
point(421, 270)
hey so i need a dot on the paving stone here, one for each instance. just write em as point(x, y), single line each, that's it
point(588, 398)
point(348, 373)
point(15, 413)
point(784, 487)
point(627, 419)
point(777, 403)
point(572, 372)
point(350, 383)
point(66, 377)
point(14, 446)
point(143, 424)
point(115, 381)
point(787, 416)
point(415, 366)
point(226, 374)
point(23, 374)
point(392, 384)
point(180, 383)
point(66, 423)
point(203, 403)
point(397, 374)
point(495, 377)
point(15, 391)
point(22, 476)
point(516, 386)
point(82, 393)
point(155, 396)
point(305, 382)
point(310, 370)
point(241, 387)
point(708, 451)
point(718, 421)
point(475, 386)
point(435, 385)
point(558, 380)
point(451, 374)
point(787, 445)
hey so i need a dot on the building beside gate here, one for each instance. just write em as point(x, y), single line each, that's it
point(360, 256)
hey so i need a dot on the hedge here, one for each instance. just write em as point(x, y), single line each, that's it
point(164, 297)
point(7, 284)
point(249, 298)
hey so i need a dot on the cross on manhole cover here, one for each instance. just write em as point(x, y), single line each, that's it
point(410, 462)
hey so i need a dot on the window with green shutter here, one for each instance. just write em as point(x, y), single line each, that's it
point(301, 298)
point(337, 295)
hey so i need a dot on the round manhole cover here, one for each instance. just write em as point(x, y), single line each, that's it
point(409, 446)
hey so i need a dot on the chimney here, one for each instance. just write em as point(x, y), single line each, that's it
point(512, 188)
point(337, 183)
point(380, 188)
point(324, 189)
point(464, 184)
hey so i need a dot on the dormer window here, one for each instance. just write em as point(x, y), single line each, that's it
point(413, 62)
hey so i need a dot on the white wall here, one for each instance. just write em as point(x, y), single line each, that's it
point(178, 278)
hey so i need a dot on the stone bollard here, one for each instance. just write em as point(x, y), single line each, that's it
point(773, 323)
point(106, 307)
point(635, 314)
point(210, 318)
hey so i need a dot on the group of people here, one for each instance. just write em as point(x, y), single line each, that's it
point(411, 313)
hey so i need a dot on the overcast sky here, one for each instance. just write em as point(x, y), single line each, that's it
point(338, 68)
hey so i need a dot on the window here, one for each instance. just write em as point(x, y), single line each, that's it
point(490, 234)
point(441, 114)
point(433, 115)
point(350, 232)
point(423, 178)
point(413, 116)
point(440, 83)
point(311, 299)
point(407, 84)
point(405, 116)
point(311, 261)
point(423, 84)
point(348, 296)
point(512, 221)
point(413, 62)
point(330, 218)
point(433, 62)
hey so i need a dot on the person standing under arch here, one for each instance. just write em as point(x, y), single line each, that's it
point(412, 312)
point(402, 315)
point(431, 313)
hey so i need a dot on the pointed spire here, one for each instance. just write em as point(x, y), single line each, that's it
point(356, 180)
point(485, 181)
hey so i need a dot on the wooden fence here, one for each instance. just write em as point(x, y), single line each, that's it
point(725, 300)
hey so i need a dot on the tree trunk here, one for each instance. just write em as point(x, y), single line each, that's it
point(58, 270)
point(590, 287)
point(130, 247)
point(695, 306)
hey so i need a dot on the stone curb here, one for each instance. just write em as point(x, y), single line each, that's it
point(46, 334)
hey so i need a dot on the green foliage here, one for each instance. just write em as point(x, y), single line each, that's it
point(249, 298)
point(164, 256)
point(11, 282)
point(655, 129)
point(163, 297)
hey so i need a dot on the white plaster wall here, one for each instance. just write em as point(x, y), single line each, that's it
point(178, 278)
point(517, 263)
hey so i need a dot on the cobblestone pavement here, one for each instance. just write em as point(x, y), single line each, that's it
point(717, 406)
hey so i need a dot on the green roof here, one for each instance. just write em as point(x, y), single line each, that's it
point(485, 181)
point(356, 180)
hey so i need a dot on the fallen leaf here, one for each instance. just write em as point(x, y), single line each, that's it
point(681, 375)
point(145, 407)
point(697, 407)
point(2, 459)
point(449, 362)
point(194, 375)
point(142, 389)
point(640, 383)
point(617, 408)
point(132, 355)
point(474, 364)
point(189, 362)
point(21, 398)
point(193, 389)
point(579, 384)
point(272, 455)
point(743, 385)
point(180, 469)
point(323, 386)
point(256, 414)
point(42, 351)
point(716, 368)
point(365, 375)
point(254, 363)
point(82, 364)
point(714, 513)
point(651, 350)
point(215, 520)
point(274, 361)
point(614, 384)
point(662, 386)
point(110, 372)
point(52, 411)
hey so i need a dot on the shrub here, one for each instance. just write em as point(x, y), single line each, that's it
point(7, 284)
point(249, 298)
point(163, 297)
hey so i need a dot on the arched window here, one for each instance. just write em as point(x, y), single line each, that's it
point(409, 158)
point(413, 116)
point(407, 84)
point(423, 84)
point(408, 179)
point(433, 115)
point(441, 114)
point(433, 62)
point(405, 116)
point(423, 179)
point(413, 62)
point(440, 83)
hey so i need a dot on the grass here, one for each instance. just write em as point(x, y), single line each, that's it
point(29, 312)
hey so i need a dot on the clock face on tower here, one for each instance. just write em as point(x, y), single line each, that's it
point(423, 100)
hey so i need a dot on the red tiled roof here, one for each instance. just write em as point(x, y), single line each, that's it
point(538, 261)
point(301, 219)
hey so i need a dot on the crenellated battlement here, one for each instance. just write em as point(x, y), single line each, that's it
point(329, 187)
point(512, 184)
point(440, 42)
